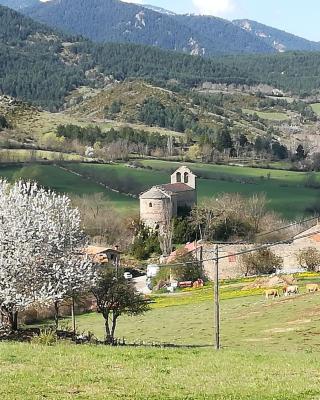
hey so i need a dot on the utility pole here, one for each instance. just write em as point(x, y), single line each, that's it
point(216, 299)
point(73, 315)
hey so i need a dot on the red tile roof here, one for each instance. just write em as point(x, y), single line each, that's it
point(176, 187)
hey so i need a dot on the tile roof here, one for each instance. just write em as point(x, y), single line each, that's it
point(176, 187)
point(154, 193)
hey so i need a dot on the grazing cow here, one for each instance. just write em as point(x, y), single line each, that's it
point(312, 287)
point(289, 290)
point(272, 293)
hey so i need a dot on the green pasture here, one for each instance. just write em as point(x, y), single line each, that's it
point(65, 182)
point(26, 155)
point(316, 108)
point(268, 115)
point(284, 189)
point(269, 352)
point(248, 321)
point(65, 372)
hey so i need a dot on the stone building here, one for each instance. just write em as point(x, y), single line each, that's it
point(163, 202)
point(231, 266)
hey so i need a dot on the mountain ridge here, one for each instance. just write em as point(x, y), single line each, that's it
point(279, 39)
point(116, 21)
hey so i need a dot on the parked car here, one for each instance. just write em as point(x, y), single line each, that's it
point(127, 275)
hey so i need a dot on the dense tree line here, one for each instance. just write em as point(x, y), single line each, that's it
point(116, 21)
point(33, 65)
point(153, 112)
point(91, 134)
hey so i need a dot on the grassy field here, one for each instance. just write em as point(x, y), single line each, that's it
point(269, 352)
point(284, 189)
point(248, 321)
point(66, 182)
point(24, 155)
point(268, 115)
point(31, 372)
point(316, 108)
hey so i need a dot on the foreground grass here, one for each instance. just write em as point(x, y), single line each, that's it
point(288, 324)
point(270, 352)
point(88, 372)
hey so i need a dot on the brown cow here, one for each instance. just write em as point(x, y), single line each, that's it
point(312, 287)
point(272, 293)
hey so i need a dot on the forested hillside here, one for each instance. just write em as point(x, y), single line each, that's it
point(116, 21)
point(280, 40)
point(40, 65)
point(31, 66)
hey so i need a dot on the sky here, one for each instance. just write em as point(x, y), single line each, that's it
point(294, 16)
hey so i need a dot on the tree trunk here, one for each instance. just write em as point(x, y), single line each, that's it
point(13, 320)
point(56, 314)
point(114, 324)
point(109, 337)
point(73, 317)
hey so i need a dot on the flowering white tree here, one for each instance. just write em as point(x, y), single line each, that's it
point(40, 236)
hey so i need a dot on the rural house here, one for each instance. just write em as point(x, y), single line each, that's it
point(231, 265)
point(104, 255)
point(163, 202)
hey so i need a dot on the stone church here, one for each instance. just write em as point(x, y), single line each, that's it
point(166, 201)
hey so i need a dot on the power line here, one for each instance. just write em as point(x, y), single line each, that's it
point(255, 249)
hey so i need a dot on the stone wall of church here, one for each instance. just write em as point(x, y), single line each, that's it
point(153, 211)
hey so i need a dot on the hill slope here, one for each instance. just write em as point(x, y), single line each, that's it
point(278, 39)
point(41, 65)
point(31, 61)
point(116, 21)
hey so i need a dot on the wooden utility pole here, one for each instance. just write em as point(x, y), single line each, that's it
point(73, 316)
point(216, 299)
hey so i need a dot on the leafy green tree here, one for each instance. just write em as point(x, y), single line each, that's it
point(300, 153)
point(223, 140)
point(116, 296)
point(3, 122)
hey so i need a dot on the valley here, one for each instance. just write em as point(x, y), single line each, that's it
point(159, 204)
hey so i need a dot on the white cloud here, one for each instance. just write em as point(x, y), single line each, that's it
point(214, 7)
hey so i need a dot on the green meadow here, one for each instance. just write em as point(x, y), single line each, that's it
point(316, 108)
point(269, 352)
point(268, 115)
point(62, 181)
point(285, 190)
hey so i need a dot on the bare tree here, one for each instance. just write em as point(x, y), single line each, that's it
point(166, 229)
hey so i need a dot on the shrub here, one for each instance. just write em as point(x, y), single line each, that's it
point(261, 262)
point(145, 243)
point(309, 259)
point(47, 337)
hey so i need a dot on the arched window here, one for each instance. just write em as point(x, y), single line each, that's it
point(186, 177)
point(178, 176)
point(150, 204)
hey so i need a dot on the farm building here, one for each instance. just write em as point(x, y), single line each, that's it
point(231, 265)
point(166, 201)
point(103, 255)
